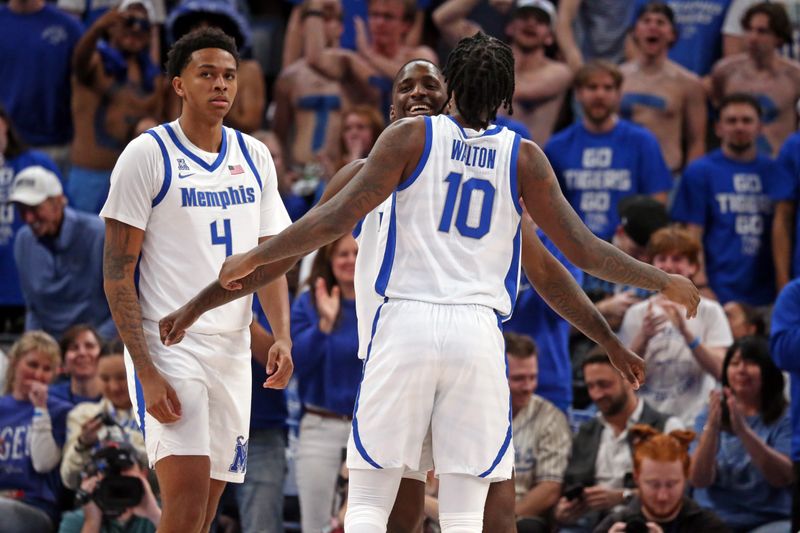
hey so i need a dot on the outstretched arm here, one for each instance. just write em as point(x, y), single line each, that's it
point(174, 325)
point(562, 293)
point(397, 150)
point(552, 212)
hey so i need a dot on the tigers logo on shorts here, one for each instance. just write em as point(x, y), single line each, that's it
point(239, 464)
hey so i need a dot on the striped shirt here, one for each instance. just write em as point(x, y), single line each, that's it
point(542, 443)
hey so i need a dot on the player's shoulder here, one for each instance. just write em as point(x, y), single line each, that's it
point(147, 142)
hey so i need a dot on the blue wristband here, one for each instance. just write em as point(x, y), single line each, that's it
point(695, 343)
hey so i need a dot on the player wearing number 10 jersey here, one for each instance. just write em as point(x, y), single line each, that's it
point(184, 196)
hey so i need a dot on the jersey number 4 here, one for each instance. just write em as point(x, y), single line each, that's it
point(224, 237)
point(462, 216)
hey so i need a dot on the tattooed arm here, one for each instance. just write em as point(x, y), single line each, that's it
point(123, 244)
point(562, 293)
point(174, 325)
point(552, 212)
point(396, 152)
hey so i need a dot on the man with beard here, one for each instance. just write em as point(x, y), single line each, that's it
point(115, 84)
point(598, 475)
point(760, 70)
point(727, 199)
point(660, 94)
point(602, 159)
point(660, 469)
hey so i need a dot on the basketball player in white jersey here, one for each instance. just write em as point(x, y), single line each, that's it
point(184, 196)
point(448, 273)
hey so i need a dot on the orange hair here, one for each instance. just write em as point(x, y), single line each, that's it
point(649, 443)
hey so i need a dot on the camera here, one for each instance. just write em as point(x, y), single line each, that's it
point(636, 524)
point(115, 492)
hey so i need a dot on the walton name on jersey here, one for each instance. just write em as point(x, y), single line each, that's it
point(473, 156)
point(191, 197)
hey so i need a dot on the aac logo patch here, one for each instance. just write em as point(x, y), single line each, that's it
point(182, 164)
point(239, 464)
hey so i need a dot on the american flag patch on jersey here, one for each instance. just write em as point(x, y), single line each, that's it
point(235, 169)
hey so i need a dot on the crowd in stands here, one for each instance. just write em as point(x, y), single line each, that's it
point(672, 129)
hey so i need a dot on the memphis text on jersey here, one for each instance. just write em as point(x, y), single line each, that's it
point(191, 197)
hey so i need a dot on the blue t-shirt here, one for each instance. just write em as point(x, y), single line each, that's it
point(327, 365)
point(740, 494)
point(16, 466)
point(532, 316)
point(10, 222)
point(785, 349)
point(699, 25)
point(734, 203)
point(789, 160)
point(268, 406)
point(63, 392)
point(597, 170)
point(37, 54)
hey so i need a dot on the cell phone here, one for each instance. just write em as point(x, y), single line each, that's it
point(574, 492)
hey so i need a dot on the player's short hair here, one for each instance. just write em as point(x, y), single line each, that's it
point(519, 346)
point(409, 8)
point(739, 98)
point(598, 66)
point(181, 52)
point(673, 239)
point(649, 443)
point(480, 73)
point(779, 23)
point(30, 341)
point(416, 60)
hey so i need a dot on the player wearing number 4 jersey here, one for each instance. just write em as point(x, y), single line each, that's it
point(183, 197)
point(437, 332)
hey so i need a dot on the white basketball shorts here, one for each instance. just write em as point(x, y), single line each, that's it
point(440, 367)
point(212, 378)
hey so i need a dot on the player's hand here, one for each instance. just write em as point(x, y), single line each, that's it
point(682, 291)
point(234, 269)
point(160, 398)
point(279, 365)
point(630, 365)
point(173, 327)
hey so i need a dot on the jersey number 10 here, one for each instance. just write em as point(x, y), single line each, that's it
point(471, 185)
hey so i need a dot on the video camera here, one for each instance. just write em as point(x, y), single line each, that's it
point(116, 492)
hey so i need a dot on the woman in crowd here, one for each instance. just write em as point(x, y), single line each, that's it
point(89, 424)
point(328, 369)
point(745, 320)
point(81, 348)
point(32, 427)
point(741, 466)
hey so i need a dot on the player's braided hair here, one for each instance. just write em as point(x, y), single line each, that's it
point(480, 72)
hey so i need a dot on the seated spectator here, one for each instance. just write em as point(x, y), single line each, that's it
point(59, 256)
point(14, 157)
point(91, 423)
point(329, 372)
point(683, 357)
point(80, 348)
point(599, 471)
point(744, 320)
point(541, 438)
point(32, 428)
point(247, 111)
point(727, 199)
point(660, 471)
point(741, 467)
point(785, 347)
point(115, 84)
point(91, 518)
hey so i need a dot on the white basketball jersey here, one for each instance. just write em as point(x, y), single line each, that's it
point(451, 233)
point(201, 208)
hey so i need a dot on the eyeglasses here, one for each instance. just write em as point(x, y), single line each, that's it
point(137, 24)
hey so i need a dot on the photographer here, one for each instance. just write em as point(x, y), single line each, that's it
point(89, 423)
point(660, 469)
point(105, 510)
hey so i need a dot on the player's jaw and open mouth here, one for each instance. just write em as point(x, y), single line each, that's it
point(419, 108)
